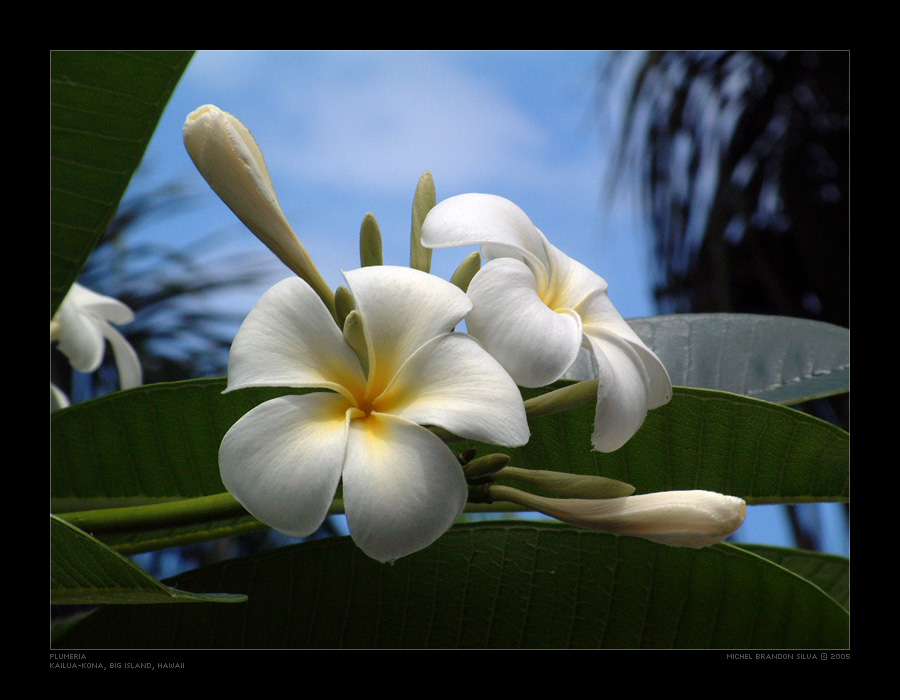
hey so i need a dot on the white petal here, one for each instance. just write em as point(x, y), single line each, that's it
point(453, 383)
point(535, 344)
point(100, 305)
point(403, 487)
point(570, 281)
point(675, 518)
point(622, 394)
point(80, 339)
point(290, 339)
point(402, 309)
point(127, 362)
point(58, 398)
point(282, 461)
point(600, 316)
point(495, 223)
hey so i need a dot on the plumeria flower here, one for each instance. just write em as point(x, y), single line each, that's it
point(402, 486)
point(81, 327)
point(675, 518)
point(535, 308)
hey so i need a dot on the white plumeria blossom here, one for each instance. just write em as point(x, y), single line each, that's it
point(676, 518)
point(535, 308)
point(81, 327)
point(402, 486)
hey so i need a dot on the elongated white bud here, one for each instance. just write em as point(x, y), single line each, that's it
point(676, 518)
point(228, 157)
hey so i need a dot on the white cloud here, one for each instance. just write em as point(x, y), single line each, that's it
point(378, 120)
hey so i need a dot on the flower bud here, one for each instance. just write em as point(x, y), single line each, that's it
point(466, 271)
point(675, 518)
point(485, 466)
point(567, 485)
point(228, 157)
point(343, 304)
point(356, 339)
point(423, 202)
point(371, 251)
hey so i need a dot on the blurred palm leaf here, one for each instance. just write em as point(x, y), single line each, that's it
point(740, 162)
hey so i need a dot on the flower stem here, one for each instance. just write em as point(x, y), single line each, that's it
point(562, 399)
point(188, 511)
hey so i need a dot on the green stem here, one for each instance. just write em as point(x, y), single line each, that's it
point(223, 506)
point(562, 399)
point(186, 512)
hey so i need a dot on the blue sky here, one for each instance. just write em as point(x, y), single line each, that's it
point(350, 132)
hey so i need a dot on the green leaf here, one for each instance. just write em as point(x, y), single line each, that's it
point(490, 585)
point(160, 443)
point(829, 572)
point(712, 440)
point(104, 108)
point(779, 359)
point(86, 571)
point(150, 444)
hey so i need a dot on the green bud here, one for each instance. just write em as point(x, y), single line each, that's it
point(567, 485)
point(485, 466)
point(343, 304)
point(466, 271)
point(562, 399)
point(370, 248)
point(356, 339)
point(423, 202)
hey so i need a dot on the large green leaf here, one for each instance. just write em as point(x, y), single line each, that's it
point(104, 108)
point(160, 442)
point(494, 585)
point(757, 450)
point(785, 360)
point(829, 572)
point(86, 571)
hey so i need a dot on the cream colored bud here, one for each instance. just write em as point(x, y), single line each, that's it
point(676, 518)
point(228, 157)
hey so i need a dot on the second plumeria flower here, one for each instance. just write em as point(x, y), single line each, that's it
point(535, 308)
point(395, 369)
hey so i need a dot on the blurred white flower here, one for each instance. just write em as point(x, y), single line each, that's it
point(535, 308)
point(675, 518)
point(81, 327)
point(403, 369)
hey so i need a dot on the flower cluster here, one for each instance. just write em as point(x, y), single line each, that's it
point(398, 379)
